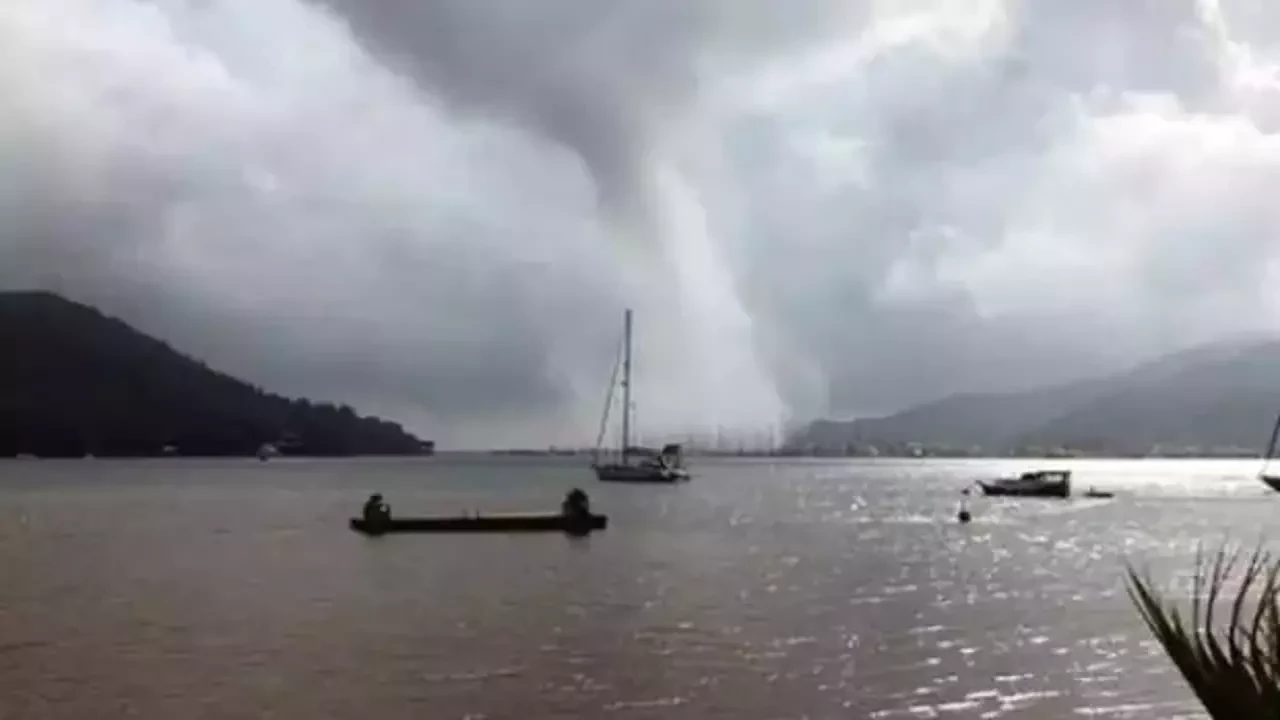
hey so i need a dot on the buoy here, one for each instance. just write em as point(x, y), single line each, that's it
point(964, 516)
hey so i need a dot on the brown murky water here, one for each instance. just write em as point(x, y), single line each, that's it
point(760, 591)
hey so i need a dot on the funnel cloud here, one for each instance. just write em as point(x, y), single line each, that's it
point(437, 211)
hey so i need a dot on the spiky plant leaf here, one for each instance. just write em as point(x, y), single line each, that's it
point(1233, 668)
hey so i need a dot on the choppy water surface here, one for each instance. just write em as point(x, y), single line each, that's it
point(233, 589)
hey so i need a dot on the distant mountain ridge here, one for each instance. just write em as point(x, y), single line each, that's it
point(74, 381)
point(1223, 396)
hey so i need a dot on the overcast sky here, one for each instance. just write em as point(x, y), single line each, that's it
point(437, 210)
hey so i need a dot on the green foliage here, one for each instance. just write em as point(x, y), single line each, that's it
point(1233, 663)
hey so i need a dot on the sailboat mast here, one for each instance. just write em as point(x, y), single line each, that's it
point(1271, 444)
point(626, 383)
point(608, 403)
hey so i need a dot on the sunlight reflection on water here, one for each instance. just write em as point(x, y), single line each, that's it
point(760, 590)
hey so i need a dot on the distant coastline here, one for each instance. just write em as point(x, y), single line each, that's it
point(921, 454)
point(528, 454)
point(1213, 401)
point(77, 383)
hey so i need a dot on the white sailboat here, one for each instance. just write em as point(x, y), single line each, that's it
point(633, 464)
point(1272, 480)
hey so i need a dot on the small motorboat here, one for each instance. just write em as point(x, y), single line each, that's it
point(1037, 483)
point(1095, 493)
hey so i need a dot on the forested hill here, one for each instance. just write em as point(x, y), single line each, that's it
point(1218, 399)
point(74, 381)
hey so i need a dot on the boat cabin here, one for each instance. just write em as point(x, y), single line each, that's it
point(1048, 476)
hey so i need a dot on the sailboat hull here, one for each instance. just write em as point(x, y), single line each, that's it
point(639, 474)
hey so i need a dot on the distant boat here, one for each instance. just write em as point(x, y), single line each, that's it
point(633, 464)
point(1095, 493)
point(1037, 483)
point(1272, 481)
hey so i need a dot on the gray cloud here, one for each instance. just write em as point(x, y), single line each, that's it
point(437, 210)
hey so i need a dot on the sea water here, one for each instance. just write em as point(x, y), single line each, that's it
point(761, 590)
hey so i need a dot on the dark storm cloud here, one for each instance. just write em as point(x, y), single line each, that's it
point(437, 210)
point(1027, 211)
point(601, 78)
